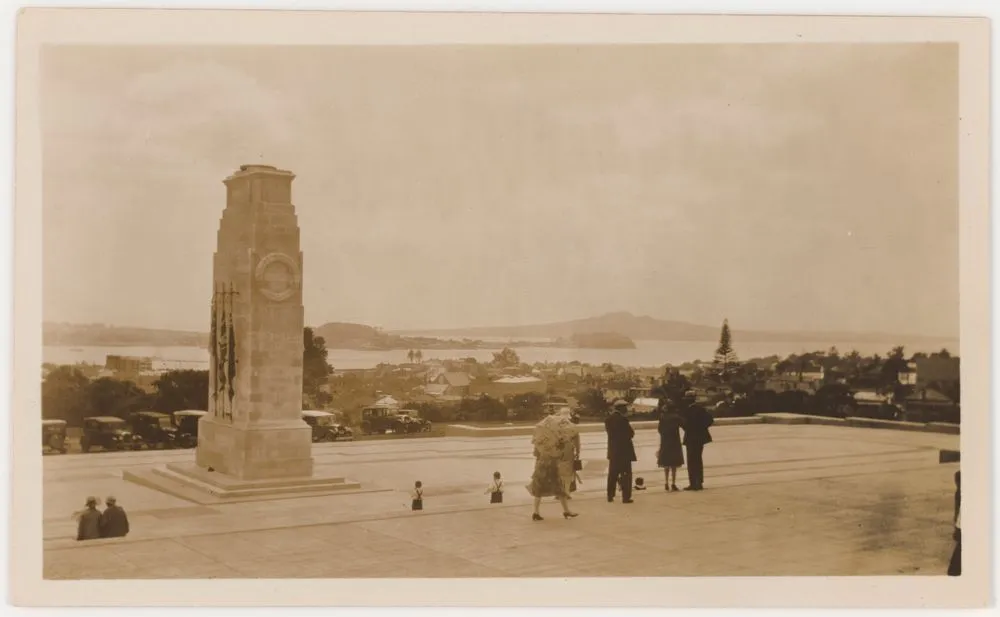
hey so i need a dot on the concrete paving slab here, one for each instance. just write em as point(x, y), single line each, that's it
point(781, 500)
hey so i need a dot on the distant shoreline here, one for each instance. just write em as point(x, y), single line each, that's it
point(415, 344)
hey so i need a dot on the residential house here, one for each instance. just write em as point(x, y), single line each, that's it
point(806, 379)
point(572, 373)
point(510, 386)
point(457, 383)
point(128, 364)
point(640, 392)
point(908, 376)
point(930, 405)
point(943, 371)
point(436, 393)
point(611, 394)
point(386, 401)
point(645, 405)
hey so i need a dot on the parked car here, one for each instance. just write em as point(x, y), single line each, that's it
point(323, 424)
point(155, 429)
point(376, 420)
point(54, 436)
point(413, 422)
point(186, 422)
point(108, 433)
point(342, 427)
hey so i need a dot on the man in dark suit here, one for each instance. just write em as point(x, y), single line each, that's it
point(621, 451)
point(695, 420)
point(955, 566)
point(114, 521)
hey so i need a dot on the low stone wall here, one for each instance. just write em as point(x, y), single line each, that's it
point(793, 418)
point(462, 430)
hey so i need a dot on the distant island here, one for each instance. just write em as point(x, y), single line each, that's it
point(610, 331)
point(598, 340)
point(646, 328)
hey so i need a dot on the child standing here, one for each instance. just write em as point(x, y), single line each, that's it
point(496, 488)
point(418, 496)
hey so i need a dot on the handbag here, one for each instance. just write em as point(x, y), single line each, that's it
point(577, 465)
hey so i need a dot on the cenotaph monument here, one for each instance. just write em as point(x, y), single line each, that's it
point(253, 443)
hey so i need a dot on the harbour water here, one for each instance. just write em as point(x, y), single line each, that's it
point(646, 353)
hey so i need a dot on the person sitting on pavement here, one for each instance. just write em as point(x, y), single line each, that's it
point(89, 527)
point(114, 521)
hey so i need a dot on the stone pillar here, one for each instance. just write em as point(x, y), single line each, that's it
point(254, 429)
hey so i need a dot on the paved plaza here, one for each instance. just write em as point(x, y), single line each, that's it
point(779, 500)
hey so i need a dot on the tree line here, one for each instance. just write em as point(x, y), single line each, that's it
point(69, 394)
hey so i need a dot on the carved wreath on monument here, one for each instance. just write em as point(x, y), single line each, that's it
point(278, 277)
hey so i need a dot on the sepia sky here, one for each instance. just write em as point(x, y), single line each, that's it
point(786, 187)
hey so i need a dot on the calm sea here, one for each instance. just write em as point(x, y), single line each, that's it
point(647, 353)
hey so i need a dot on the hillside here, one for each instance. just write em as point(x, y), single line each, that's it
point(610, 331)
point(101, 335)
point(646, 328)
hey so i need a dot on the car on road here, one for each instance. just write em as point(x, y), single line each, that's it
point(413, 422)
point(54, 436)
point(377, 420)
point(155, 429)
point(325, 426)
point(108, 433)
point(186, 421)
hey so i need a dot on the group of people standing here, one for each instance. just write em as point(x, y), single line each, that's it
point(556, 442)
point(693, 419)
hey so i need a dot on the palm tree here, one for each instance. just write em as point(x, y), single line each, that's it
point(410, 355)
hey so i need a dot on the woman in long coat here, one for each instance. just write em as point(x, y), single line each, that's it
point(670, 456)
point(570, 451)
point(552, 439)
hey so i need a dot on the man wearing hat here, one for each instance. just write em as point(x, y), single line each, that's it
point(114, 521)
point(695, 421)
point(621, 451)
point(89, 527)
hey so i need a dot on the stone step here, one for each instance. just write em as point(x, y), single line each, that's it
point(197, 490)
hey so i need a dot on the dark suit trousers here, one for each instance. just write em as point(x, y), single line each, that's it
point(955, 567)
point(696, 468)
point(620, 471)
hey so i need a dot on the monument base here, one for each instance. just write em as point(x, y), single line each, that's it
point(193, 483)
point(256, 452)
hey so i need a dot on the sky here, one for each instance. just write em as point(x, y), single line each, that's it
point(784, 187)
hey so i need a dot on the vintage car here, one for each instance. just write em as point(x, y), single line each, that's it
point(54, 436)
point(325, 426)
point(413, 422)
point(155, 429)
point(186, 422)
point(108, 433)
point(377, 420)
